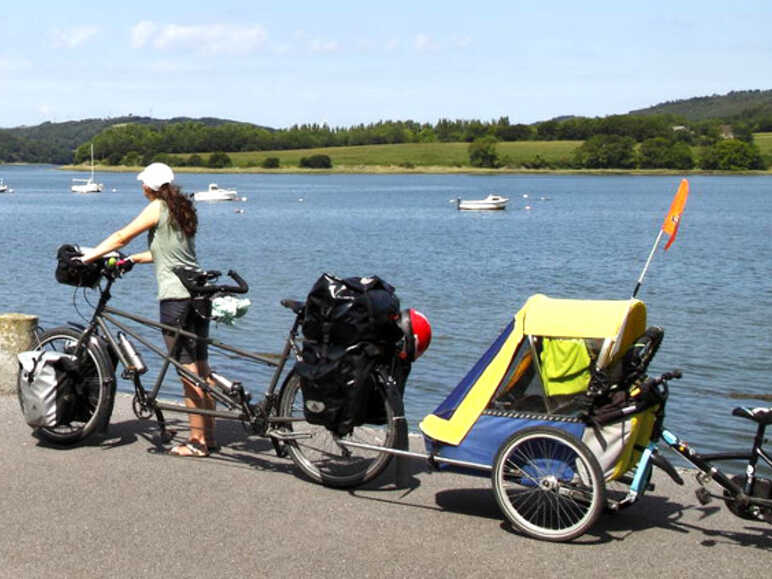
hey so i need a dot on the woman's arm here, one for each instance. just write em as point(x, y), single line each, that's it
point(143, 257)
point(145, 220)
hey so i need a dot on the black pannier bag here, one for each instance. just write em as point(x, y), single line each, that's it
point(350, 326)
point(72, 271)
point(336, 387)
point(352, 310)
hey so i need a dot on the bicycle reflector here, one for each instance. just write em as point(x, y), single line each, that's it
point(417, 334)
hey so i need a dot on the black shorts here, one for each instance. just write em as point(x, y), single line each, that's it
point(181, 312)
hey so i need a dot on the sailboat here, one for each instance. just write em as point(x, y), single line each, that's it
point(89, 186)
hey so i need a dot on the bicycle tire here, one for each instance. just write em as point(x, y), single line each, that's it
point(98, 400)
point(319, 456)
point(548, 484)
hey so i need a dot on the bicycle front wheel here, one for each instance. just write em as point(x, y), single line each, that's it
point(548, 484)
point(317, 452)
point(94, 398)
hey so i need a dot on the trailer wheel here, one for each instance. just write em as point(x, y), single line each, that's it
point(548, 484)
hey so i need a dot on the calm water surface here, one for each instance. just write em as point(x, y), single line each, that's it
point(583, 237)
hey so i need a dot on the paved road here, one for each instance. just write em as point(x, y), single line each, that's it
point(117, 507)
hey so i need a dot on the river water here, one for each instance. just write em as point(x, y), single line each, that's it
point(566, 236)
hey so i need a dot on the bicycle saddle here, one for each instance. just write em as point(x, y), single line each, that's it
point(760, 415)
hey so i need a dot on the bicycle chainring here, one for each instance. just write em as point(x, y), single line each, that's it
point(141, 410)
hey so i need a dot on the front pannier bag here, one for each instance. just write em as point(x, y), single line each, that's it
point(349, 325)
point(71, 271)
point(45, 387)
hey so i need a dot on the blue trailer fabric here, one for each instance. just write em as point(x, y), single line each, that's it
point(483, 441)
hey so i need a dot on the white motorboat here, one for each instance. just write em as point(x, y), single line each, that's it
point(88, 185)
point(214, 193)
point(491, 202)
point(3, 186)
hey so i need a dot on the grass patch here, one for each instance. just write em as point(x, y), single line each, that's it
point(764, 143)
point(413, 155)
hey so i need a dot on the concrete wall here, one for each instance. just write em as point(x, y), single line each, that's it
point(17, 334)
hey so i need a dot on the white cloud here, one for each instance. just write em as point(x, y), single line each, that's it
point(73, 37)
point(213, 39)
point(318, 46)
point(392, 44)
point(141, 33)
point(423, 43)
point(463, 42)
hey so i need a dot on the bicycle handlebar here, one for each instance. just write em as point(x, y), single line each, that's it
point(197, 281)
point(653, 391)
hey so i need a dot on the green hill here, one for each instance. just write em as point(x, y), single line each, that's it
point(55, 142)
point(736, 105)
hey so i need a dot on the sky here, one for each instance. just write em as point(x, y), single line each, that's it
point(343, 63)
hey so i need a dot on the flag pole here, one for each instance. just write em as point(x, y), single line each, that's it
point(648, 263)
point(669, 226)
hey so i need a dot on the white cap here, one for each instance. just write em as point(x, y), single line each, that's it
point(155, 175)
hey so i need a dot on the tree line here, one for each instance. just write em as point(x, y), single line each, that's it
point(664, 140)
point(620, 152)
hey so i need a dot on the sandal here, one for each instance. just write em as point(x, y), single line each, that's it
point(190, 449)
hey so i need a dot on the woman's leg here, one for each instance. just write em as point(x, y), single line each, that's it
point(195, 397)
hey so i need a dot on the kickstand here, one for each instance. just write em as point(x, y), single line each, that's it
point(164, 434)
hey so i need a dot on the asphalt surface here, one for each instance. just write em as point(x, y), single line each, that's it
point(116, 506)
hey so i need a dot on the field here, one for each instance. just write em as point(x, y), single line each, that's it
point(764, 142)
point(410, 155)
point(421, 157)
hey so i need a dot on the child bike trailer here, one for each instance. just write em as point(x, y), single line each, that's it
point(523, 412)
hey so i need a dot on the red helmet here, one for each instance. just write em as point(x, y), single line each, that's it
point(417, 331)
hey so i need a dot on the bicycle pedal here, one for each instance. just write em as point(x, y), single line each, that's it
point(703, 495)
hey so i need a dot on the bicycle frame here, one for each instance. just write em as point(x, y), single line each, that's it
point(147, 401)
point(707, 471)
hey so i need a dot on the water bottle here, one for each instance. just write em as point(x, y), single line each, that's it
point(222, 382)
point(136, 363)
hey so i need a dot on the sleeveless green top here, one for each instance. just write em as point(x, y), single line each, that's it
point(170, 248)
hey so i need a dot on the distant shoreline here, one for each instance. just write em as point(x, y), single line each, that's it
point(422, 170)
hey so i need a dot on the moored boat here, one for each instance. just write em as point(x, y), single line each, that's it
point(89, 185)
point(215, 193)
point(490, 203)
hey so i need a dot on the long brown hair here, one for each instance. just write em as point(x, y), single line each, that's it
point(181, 210)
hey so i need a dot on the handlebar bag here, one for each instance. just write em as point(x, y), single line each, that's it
point(46, 393)
point(71, 271)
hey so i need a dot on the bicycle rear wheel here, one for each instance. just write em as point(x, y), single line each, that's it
point(548, 484)
point(317, 453)
point(94, 400)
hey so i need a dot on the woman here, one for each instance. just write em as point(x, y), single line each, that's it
point(170, 220)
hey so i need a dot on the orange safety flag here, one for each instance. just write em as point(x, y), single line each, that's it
point(673, 217)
